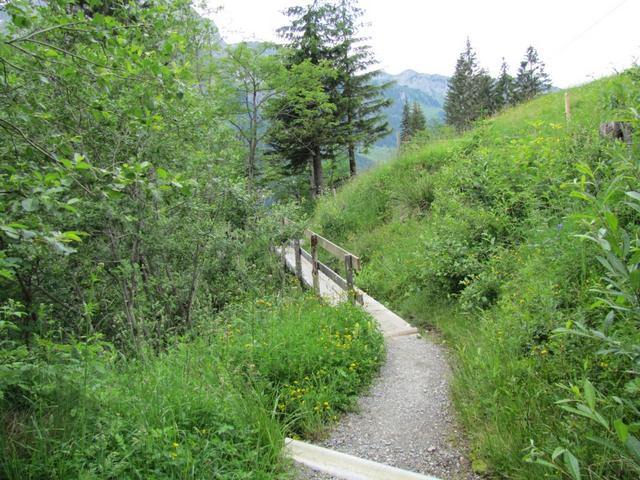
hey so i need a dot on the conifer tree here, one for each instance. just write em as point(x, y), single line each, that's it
point(405, 123)
point(532, 80)
point(326, 33)
point(504, 88)
point(417, 121)
point(309, 37)
point(486, 94)
point(461, 104)
point(359, 99)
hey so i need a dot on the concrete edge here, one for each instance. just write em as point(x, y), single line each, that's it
point(346, 466)
point(403, 333)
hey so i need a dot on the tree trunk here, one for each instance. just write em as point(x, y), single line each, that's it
point(312, 177)
point(253, 141)
point(352, 159)
point(318, 180)
point(251, 161)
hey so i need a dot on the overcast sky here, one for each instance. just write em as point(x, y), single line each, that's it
point(577, 39)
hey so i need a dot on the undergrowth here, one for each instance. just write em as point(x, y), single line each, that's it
point(216, 405)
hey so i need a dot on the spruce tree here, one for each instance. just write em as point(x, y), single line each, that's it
point(417, 121)
point(486, 95)
point(504, 88)
point(359, 99)
point(461, 104)
point(309, 38)
point(405, 123)
point(532, 80)
point(326, 33)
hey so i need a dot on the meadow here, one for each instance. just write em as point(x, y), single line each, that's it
point(518, 242)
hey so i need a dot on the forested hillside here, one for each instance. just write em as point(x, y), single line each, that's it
point(409, 86)
point(518, 241)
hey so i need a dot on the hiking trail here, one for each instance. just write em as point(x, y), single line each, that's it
point(405, 421)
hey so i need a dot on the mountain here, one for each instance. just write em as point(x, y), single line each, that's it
point(428, 90)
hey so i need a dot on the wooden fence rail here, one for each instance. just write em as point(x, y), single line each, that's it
point(351, 263)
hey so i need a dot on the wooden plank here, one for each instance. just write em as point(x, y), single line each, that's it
point(296, 247)
point(348, 264)
point(337, 279)
point(340, 465)
point(334, 249)
point(341, 282)
point(306, 255)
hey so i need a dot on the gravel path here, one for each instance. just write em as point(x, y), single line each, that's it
point(406, 420)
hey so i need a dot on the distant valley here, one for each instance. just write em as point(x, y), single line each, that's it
point(428, 90)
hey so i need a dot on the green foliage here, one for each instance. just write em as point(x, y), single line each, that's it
point(325, 34)
point(413, 121)
point(214, 406)
point(251, 75)
point(504, 88)
point(461, 102)
point(405, 122)
point(122, 211)
point(473, 94)
point(531, 80)
point(126, 228)
point(528, 244)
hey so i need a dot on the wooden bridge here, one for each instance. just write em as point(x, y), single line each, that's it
point(336, 288)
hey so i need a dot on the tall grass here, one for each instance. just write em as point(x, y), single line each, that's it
point(476, 235)
point(214, 406)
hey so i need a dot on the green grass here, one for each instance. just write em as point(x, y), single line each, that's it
point(476, 235)
point(214, 406)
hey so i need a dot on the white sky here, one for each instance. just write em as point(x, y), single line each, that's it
point(578, 40)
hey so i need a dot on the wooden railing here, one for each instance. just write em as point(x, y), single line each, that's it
point(351, 263)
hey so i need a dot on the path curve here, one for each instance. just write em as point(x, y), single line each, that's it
point(406, 419)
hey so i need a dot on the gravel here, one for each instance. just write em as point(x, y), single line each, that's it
point(406, 419)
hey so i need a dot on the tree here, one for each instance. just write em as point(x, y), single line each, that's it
point(486, 95)
point(250, 74)
point(504, 91)
point(461, 104)
point(303, 121)
point(309, 39)
point(328, 32)
point(532, 80)
point(119, 192)
point(359, 100)
point(418, 122)
point(405, 123)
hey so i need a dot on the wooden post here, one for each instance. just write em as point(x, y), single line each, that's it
point(348, 264)
point(296, 247)
point(314, 262)
point(283, 256)
point(567, 106)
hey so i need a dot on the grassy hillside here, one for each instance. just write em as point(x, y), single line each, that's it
point(519, 242)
